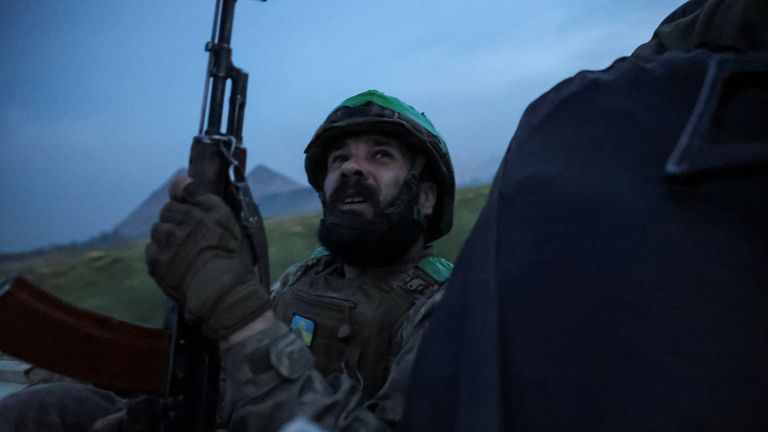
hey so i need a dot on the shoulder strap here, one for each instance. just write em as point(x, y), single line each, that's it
point(426, 277)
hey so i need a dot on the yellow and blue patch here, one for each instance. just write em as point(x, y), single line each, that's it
point(305, 326)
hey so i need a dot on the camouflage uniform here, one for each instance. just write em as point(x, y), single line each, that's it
point(271, 378)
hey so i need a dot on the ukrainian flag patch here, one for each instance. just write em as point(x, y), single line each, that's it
point(305, 326)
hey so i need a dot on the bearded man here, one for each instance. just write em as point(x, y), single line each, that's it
point(334, 341)
point(358, 307)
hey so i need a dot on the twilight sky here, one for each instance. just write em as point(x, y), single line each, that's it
point(101, 98)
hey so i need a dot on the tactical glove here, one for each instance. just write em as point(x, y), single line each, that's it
point(200, 258)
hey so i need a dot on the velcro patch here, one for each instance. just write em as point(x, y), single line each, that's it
point(305, 326)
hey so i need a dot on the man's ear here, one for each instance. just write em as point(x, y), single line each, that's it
point(427, 197)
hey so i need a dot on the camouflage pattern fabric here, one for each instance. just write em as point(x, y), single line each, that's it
point(270, 379)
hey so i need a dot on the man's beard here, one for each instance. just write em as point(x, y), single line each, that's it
point(365, 242)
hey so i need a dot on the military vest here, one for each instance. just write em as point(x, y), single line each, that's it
point(351, 324)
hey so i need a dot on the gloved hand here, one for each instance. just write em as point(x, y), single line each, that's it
point(200, 258)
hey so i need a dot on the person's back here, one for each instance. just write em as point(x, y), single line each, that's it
point(618, 271)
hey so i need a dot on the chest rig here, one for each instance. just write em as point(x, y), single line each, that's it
point(351, 324)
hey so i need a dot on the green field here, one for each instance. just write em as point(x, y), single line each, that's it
point(114, 280)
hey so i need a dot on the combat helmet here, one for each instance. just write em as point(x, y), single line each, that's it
point(375, 112)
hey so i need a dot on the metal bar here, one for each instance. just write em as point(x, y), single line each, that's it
point(207, 86)
point(220, 73)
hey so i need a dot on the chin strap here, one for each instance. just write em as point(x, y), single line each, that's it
point(406, 202)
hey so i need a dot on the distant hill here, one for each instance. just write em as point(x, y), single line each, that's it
point(138, 222)
point(276, 194)
point(264, 181)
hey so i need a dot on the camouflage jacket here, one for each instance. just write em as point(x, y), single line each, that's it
point(271, 377)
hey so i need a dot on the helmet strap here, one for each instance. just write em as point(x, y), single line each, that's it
point(406, 202)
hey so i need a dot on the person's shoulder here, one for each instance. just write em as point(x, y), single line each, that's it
point(620, 80)
point(439, 270)
point(425, 282)
point(425, 276)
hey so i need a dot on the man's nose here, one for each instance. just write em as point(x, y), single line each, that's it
point(353, 167)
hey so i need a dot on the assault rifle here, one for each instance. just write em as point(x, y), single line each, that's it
point(177, 363)
point(217, 163)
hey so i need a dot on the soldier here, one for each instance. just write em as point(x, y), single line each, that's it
point(385, 179)
point(357, 308)
point(618, 269)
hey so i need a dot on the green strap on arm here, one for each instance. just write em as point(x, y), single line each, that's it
point(438, 268)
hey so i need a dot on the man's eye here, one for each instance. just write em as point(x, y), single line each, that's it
point(338, 158)
point(378, 154)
